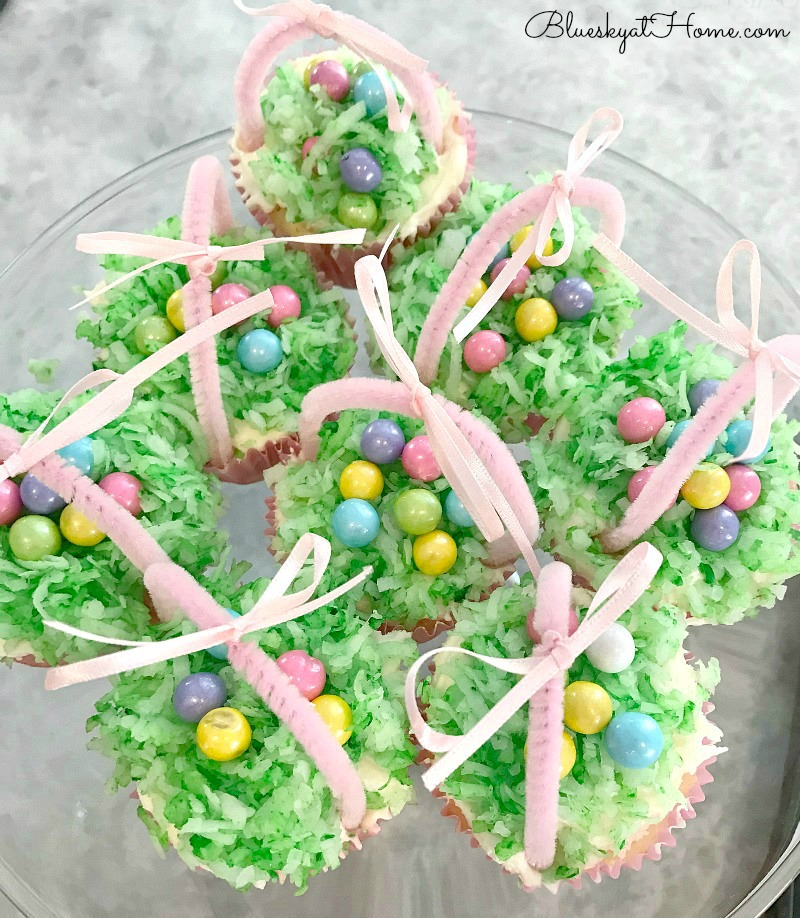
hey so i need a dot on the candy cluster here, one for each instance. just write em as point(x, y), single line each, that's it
point(716, 493)
point(417, 511)
point(40, 519)
point(534, 318)
point(224, 733)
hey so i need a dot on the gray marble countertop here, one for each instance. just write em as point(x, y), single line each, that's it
point(91, 89)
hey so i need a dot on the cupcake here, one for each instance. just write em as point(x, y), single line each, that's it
point(322, 142)
point(226, 781)
point(631, 754)
point(729, 539)
point(246, 390)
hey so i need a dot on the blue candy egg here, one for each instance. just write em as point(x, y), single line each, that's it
point(715, 529)
point(355, 522)
point(634, 740)
point(259, 351)
point(505, 252)
point(220, 651)
point(676, 432)
point(368, 89)
point(456, 512)
point(80, 454)
point(572, 298)
point(38, 498)
point(382, 441)
point(702, 392)
point(198, 694)
point(737, 436)
point(360, 171)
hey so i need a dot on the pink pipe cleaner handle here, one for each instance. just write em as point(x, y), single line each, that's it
point(546, 720)
point(302, 19)
point(498, 229)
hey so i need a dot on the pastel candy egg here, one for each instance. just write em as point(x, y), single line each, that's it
point(223, 734)
point(587, 707)
point(382, 441)
point(10, 502)
point(419, 461)
point(369, 90)
point(640, 419)
point(361, 479)
point(219, 274)
point(287, 305)
point(417, 511)
point(220, 651)
point(518, 282)
point(228, 295)
point(613, 651)
point(434, 553)
point(259, 351)
point(715, 529)
point(357, 211)
point(520, 236)
point(736, 438)
point(152, 333)
point(360, 171)
point(707, 486)
point(676, 433)
point(457, 512)
point(125, 489)
point(337, 716)
point(355, 523)
point(535, 319)
point(305, 672)
point(308, 145)
point(175, 310)
point(638, 480)
point(476, 293)
point(568, 754)
point(197, 694)
point(79, 529)
point(332, 77)
point(745, 487)
point(634, 740)
point(309, 67)
point(701, 392)
point(360, 69)
point(80, 455)
point(38, 498)
point(572, 298)
point(502, 255)
point(484, 351)
point(32, 538)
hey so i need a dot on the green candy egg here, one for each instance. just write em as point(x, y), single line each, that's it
point(357, 210)
point(152, 334)
point(32, 538)
point(417, 511)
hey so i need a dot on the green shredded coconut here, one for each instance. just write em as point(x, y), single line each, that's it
point(319, 346)
point(98, 589)
point(537, 377)
point(579, 479)
point(270, 812)
point(602, 806)
point(306, 495)
point(43, 371)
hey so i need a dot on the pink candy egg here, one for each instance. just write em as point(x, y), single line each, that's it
point(332, 77)
point(517, 284)
point(306, 673)
point(640, 420)
point(10, 502)
point(534, 635)
point(745, 487)
point(639, 480)
point(227, 295)
point(287, 305)
point(125, 489)
point(484, 351)
point(418, 459)
point(308, 145)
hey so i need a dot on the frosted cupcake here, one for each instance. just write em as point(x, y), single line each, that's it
point(332, 141)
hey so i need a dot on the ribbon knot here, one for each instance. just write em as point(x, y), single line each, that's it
point(555, 645)
point(319, 16)
point(563, 182)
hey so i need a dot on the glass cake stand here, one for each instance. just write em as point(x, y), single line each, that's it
point(67, 849)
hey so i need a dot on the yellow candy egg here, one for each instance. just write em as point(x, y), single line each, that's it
point(535, 319)
point(309, 67)
point(78, 529)
point(336, 713)
point(223, 734)
point(520, 236)
point(435, 552)
point(476, 293)
point(707, 487)
point(587, 707)
point(568, 754)
point(361, 479)
point(175, 310)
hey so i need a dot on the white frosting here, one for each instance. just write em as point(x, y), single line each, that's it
point(15, 650)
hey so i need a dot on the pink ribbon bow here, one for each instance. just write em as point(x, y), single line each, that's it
point(544, 670)
point(362, 39)
point(557, 208)
point(108, 404)
point(460, 463)
point(770, 375)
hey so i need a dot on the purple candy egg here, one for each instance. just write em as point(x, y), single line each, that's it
point(572, 298)
point(360, 171)
point(382, 442)
point(198, 694)
point(701, 392)
point(715, 529)
point(38, 498)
